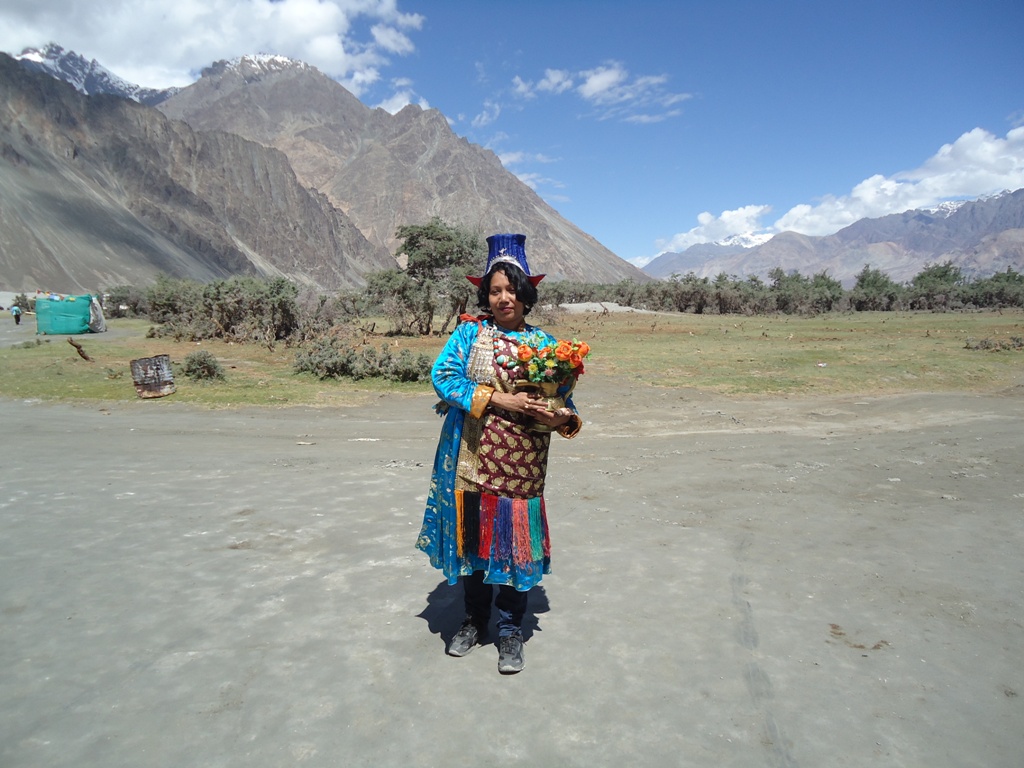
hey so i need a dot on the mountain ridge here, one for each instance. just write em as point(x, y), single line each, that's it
point(99, 190)
point(386, 171)
point(980, 237)
point(88, 77)
point(379, 171)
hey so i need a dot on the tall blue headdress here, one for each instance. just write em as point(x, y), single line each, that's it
point(510, 249)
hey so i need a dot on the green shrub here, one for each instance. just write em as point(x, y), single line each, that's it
point(1014, 343)
point(201, 365)
point(239, 309)
point(125, 301)
point(26, 304)
point(408, 366)
point(320, 315)
point(324, 358)
point(328, 358)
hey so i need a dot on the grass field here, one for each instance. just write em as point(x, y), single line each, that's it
point(862, 353)
point(830, 354)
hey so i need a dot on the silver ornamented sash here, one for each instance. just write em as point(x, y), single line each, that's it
point(480, 367)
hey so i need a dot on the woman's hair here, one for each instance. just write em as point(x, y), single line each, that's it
point(526, 291)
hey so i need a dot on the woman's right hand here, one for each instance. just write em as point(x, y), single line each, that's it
point(518, 402)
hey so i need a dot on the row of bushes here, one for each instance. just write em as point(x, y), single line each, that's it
point(265, 311)
point(938, 287)
point(271, 311)
point(250, 309)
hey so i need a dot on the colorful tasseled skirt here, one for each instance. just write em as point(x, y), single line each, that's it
point(507, 534)
point(466, 531)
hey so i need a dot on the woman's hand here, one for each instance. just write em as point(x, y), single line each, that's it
point(518, 402)
point(553, 419)
point(531, 405)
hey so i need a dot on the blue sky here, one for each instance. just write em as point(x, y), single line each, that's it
point(651, 125)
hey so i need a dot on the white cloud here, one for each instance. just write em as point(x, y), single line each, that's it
point(513, 158)
point(611, 91)
point(643, 261)
point(392, 40)
point(603, 84)
point(648, 118)
point(490, 113)
point(976, 164)
point(522, 88)
point(156, 43)
point(711, 228)
point(555, 81)
point(403, 96)
point(530, 179)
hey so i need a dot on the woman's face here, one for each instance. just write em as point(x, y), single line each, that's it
point(506, 308)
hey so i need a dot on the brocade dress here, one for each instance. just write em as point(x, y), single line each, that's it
point(485, 508)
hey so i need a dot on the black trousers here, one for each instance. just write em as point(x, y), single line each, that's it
point(511, 604)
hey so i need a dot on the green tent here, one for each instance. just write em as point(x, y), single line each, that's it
point(58, 315)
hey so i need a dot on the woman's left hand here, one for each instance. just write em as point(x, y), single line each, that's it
point(554, 419)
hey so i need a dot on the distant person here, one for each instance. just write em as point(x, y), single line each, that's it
point(485, 520)
point(16, 313)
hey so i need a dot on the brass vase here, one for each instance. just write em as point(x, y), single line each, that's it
point(546, 391)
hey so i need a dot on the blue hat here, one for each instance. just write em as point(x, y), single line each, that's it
point(510, 249)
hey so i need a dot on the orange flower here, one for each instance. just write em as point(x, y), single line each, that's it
point(542, 358)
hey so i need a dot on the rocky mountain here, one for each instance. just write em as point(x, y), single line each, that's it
point(88, 77)
point(386, 170)
point(980, 236)
point(97, 191)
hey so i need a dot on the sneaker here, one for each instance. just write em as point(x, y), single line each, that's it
point(466, 639)
point(510, 654)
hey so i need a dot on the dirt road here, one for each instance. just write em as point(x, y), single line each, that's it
point(736, 583)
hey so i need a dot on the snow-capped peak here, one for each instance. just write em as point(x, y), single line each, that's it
point(31, 54)
point(88, 77)
point(946, 209)
point(270, 61)
point(745, 239)
point(255, 64)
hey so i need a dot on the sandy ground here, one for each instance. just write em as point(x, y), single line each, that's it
point(836, 582)
point(602, 306)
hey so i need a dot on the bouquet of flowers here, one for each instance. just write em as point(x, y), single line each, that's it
point(545, 362)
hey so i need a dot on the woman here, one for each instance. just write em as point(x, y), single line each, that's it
point(485, 519)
